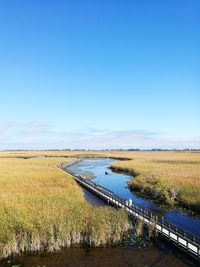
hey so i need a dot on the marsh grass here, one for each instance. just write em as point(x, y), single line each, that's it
point(168, 177)
point(139, 229)
point(43, 209)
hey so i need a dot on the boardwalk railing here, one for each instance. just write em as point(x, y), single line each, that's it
point(185, 240)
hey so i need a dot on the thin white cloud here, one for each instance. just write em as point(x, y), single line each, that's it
point(4, 127)
point(34, 127)
point(41, 135)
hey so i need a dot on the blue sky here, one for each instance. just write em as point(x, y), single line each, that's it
point(99, 74)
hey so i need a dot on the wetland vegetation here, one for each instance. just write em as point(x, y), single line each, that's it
point(170, 178)
point(43, 209)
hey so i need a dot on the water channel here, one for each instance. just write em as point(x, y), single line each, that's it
point(159, 254)
point(118, 183)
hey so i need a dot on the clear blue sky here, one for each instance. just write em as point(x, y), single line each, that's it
point(99, 74)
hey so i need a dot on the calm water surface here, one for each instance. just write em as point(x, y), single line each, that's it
point(157, 255)
point(100, 257)
point(117, 183)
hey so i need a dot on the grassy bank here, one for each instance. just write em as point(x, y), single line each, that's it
point(171, 178)
point(42, 208)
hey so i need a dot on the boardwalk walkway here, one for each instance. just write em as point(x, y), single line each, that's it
point(189, 243)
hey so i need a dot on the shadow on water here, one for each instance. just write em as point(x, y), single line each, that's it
point(106, 257)
point(160, 254)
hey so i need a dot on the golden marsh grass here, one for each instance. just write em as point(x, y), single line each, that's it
point(174, 177)
point(42, 208)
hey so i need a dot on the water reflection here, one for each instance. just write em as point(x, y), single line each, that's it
point(118, 184)
point(106, 257)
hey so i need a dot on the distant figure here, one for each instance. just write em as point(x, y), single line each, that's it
point(126, 202)
point(106, 172)
point(130, 202)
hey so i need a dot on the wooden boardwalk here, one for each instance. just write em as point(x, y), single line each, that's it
point(188, 242)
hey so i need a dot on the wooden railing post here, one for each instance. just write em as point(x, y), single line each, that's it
point(184, 234)
point(144, 213)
